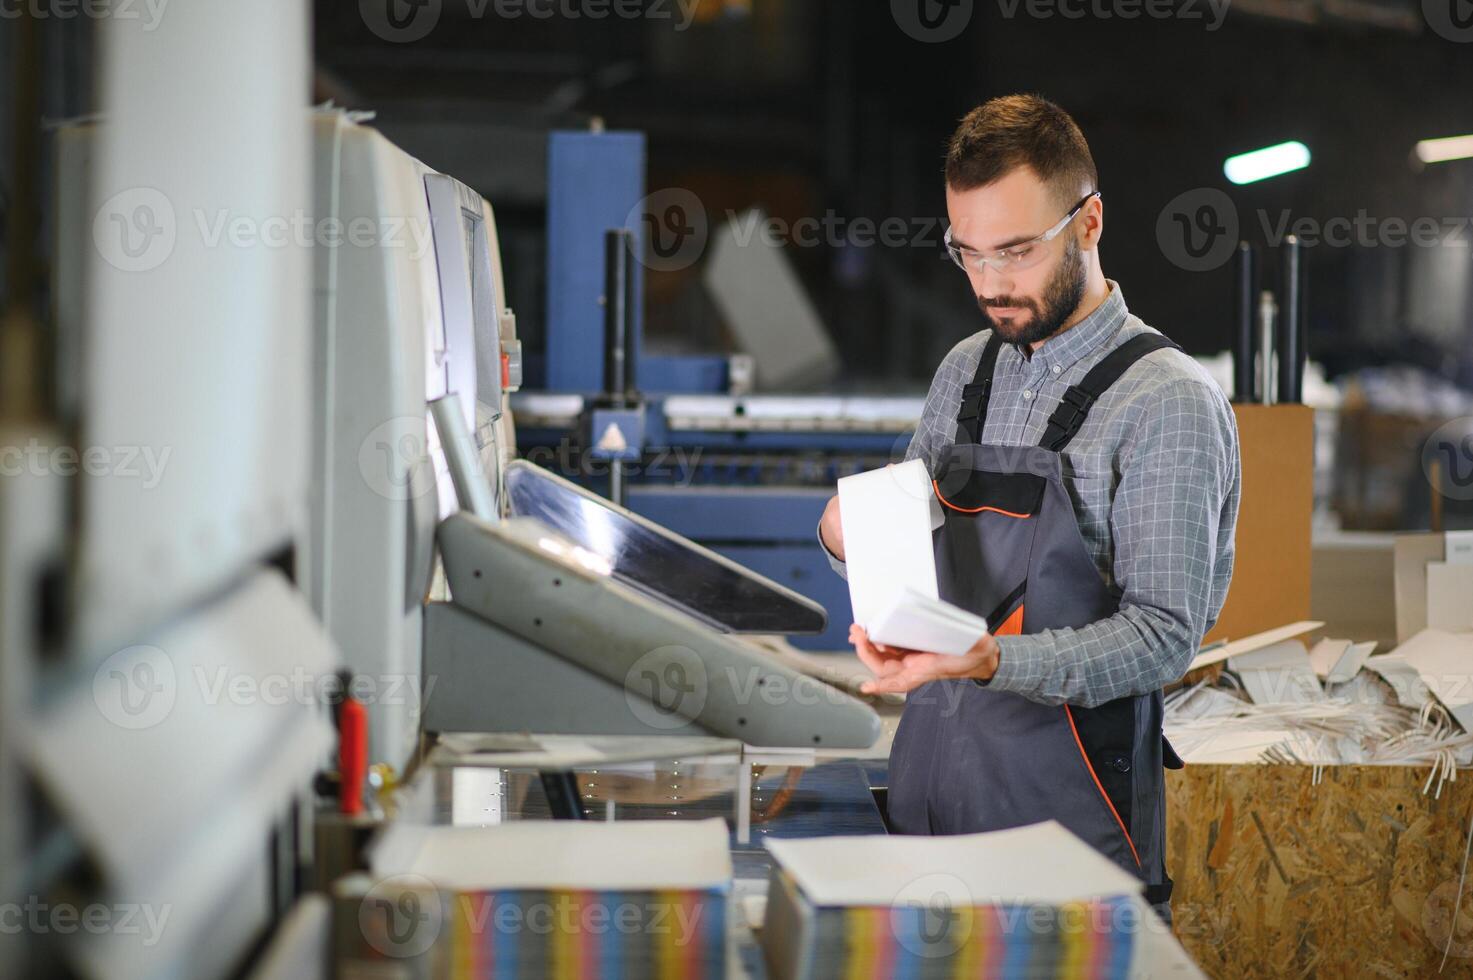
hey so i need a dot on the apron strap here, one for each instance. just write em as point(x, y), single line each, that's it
point(975, 396)
point(1074, 407)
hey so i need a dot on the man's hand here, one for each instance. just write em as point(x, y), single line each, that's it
point(831, 530)
point(898, 670)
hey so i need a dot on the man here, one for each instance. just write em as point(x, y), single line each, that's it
point(1089, 478)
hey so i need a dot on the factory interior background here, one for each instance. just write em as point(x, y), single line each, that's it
point(784, 296)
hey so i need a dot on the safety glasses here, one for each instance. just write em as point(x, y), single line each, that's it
point(1014, 258)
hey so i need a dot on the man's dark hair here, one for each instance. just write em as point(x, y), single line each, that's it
point(1015, 131)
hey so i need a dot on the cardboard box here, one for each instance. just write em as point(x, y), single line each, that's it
point(1270, 584)
point(1433, 582)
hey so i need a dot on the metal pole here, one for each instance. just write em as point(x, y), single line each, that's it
point(1267, 313)
point(617, 245)
point(618, 337)
point(1245, 289)
point(1291, 325)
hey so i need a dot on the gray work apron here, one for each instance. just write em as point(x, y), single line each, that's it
point(968, 759)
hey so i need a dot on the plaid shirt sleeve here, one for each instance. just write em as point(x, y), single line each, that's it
point(1177, 495)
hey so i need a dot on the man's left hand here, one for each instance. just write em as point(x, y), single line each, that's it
point(898, 670)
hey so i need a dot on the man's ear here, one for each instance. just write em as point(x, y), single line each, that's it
point(1091, 223)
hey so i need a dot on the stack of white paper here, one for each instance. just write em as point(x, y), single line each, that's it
point(888, 516)
point(1041, 862)
point(921, 623)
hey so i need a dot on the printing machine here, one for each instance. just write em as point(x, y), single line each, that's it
point(564, 613)
point(340, 492)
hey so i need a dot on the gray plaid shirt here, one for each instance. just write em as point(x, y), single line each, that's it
point(1154, 477)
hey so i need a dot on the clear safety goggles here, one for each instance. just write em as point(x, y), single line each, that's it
point(1014, 258)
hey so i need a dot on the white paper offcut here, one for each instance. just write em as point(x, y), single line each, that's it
point(887, 517)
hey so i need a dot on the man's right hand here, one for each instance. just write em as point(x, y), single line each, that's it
point(831, 530)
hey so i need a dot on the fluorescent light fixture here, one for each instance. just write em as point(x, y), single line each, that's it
point(1447, 148)
point(1271, 161)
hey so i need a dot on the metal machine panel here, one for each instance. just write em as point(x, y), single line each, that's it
point(172, 765)
point(374, 500)
point(196, 362)
point(595, 182)
point(527, 688)
point(660, 564)
point(530, 581)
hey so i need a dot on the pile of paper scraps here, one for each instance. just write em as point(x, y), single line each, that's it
point(1337, 703)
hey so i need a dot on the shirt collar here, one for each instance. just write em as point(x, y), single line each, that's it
point(1086, 336)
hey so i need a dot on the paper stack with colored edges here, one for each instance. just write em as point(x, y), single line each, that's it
point(1034, 901)
point(548, 899)
point(888, 516)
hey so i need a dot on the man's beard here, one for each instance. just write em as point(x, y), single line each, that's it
point(1060, 299)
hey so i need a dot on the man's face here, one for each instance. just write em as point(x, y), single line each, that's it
point(1028, 305)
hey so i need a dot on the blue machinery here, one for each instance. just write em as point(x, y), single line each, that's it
point(744, 475)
